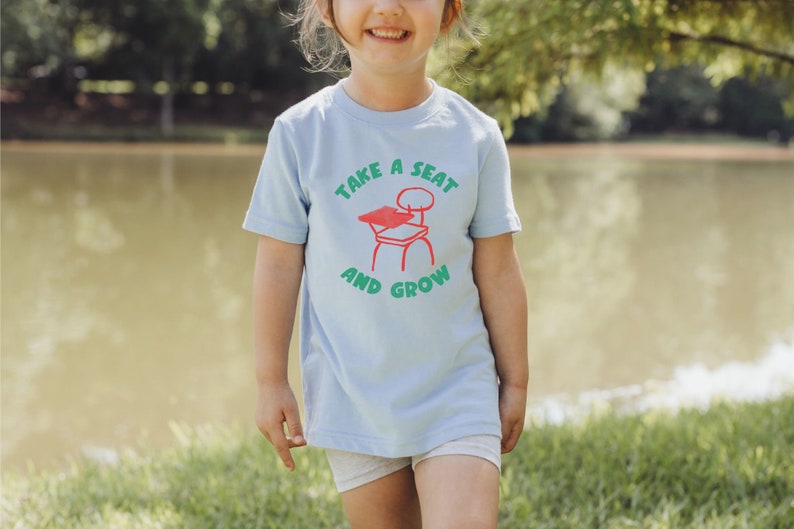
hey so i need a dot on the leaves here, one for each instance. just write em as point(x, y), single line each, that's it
point(533, 46)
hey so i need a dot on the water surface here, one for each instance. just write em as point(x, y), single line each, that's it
point(126, 280)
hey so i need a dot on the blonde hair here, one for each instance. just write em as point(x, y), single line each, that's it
point(323, 47)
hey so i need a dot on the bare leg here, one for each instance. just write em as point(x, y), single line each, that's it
point(458, 491)
point(390, 502)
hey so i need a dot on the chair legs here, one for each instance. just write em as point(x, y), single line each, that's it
point(375, 255)
point(405, 253)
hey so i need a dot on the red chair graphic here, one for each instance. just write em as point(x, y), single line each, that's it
point(391, 226)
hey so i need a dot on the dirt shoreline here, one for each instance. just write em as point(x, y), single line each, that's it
point(639, 150)
point(657, 150)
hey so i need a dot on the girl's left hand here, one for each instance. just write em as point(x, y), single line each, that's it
point(512, 410)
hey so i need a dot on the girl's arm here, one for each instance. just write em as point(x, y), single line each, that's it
point(277, 277)
point(503, 298)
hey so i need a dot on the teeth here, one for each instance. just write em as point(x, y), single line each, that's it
point(388, 33)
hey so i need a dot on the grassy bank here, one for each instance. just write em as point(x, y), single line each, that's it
point(730, 467)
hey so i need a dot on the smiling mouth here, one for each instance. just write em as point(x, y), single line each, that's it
point(391, 34)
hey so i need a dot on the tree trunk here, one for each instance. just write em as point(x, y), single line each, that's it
point(167, 99)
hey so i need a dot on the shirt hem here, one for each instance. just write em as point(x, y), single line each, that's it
point(389, 448)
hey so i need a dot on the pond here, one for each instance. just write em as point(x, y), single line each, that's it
point(126, 283)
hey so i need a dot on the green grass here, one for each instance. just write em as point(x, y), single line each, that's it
point(731, 467)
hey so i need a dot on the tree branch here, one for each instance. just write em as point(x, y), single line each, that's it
point(725, 41)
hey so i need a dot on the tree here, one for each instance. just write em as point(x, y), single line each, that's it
point(248, 43)
point(677, 99)
point(754, 110)
point(533, 47)
point(37, 38)
point(154, 40)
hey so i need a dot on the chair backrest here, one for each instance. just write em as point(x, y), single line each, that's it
point(415, 199)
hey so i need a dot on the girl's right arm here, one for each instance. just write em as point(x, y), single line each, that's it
point(277, 277)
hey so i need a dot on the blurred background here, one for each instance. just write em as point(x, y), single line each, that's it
point(550, 71)
point(652, 168)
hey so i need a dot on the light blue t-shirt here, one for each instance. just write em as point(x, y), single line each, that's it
point(395, 356)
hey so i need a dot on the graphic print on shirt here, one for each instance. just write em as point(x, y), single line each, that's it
point(402, 225)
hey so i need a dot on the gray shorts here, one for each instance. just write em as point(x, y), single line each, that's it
point(353, 470)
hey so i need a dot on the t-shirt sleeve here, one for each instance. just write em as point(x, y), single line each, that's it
point(279, 207)
point(495, 212)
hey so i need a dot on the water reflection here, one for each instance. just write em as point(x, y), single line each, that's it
point(693, 386)
point(126, 281)
point(125, 294)
point(635, 266)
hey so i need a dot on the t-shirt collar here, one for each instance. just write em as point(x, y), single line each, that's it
point(408, 116)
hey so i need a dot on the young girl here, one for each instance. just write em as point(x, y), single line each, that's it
point(389, 198)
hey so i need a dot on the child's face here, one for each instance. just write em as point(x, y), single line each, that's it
point(388, 35)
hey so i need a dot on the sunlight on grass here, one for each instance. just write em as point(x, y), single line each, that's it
point(729, 467)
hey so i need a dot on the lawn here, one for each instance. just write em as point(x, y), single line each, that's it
point(729, 467)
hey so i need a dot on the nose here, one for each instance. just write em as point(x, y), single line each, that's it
point(388, 7)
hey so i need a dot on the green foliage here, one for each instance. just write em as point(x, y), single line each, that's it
point(682, 99)
point(677, 99)
point(576, 53)
point(730, 467)
point(213, 479)
point(533, 47)
point(755, 109)
point(248, 42)
point(152, 39)
point(591, 109)
point(243, 42)
point(36, 34)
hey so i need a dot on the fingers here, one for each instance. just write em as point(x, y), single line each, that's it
point(295, 438)
point(295, 429)
point(512, 412)
point(283, 443)
point(512, 418)
point(510, 436)
point(272, 422)
point(296, 442)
